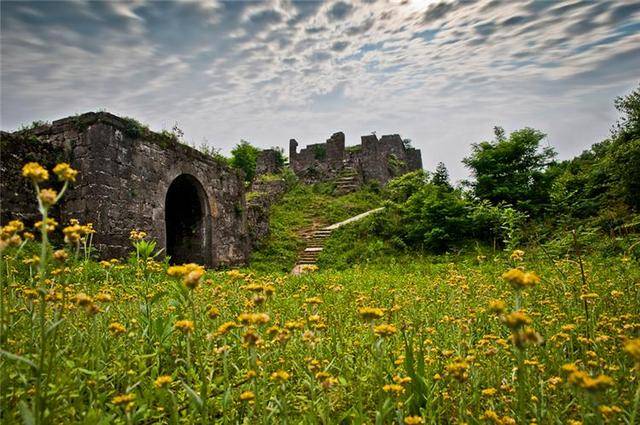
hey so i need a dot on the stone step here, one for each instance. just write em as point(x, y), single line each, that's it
point(306, 262)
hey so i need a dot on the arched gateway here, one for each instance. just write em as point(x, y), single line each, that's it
point(187, 221)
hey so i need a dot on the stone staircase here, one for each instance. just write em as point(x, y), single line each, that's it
point(347, 181)
point(314, 244)
point(315, 240)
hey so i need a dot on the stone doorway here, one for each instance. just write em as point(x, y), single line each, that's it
point(187, 224)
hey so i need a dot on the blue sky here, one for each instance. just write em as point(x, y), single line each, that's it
point(442, 73)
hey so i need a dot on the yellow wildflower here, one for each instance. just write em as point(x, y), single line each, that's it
point(632, 348)
point(517, 255)
point(459, 370)
point(393, 388)
point(123, 399)
point(489, 392)
point(36, 172)
point(185, 326)
point(65, 173)
point(48, 197)
point(117, 328)
point(163, 381)
point(280, 376)
point(385, 330)
point(516, 320)
point(370, 313)
point(247, 396)
point(497, 306)
point(519, 279)
point(253, 318)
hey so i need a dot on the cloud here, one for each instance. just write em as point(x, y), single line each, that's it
point(268, 71)
point(438, 11)
point(339, 10)
point(265, 17)
point(365, 26)
point(339, 46)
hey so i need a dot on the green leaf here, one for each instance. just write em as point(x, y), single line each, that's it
point(195, 397)
point(27, 414)
point(18, 358)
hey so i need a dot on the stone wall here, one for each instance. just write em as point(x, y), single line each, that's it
point(374, 159)
point(123, 184)
point(268, 162)
point(17, 195)
point(264, 192)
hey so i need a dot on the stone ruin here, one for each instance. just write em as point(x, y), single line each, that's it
point(373, 160)
point(194, 205)
point(132, 178)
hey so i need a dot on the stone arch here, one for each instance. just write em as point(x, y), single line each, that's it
point(188, 227)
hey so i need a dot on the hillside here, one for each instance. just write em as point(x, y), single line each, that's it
point(302, 209)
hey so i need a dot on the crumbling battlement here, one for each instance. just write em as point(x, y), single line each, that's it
point(373, 160)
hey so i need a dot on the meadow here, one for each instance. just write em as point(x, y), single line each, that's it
point(503, 338)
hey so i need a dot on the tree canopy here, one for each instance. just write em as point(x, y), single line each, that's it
point(244, 156)
point(511, 169)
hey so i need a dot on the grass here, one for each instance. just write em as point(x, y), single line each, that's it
point(338, 367)
point(302, 208)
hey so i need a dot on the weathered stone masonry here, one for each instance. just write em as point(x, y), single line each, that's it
point(191, 204)
point(373, 160)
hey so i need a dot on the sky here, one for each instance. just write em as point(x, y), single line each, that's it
point(441, 73)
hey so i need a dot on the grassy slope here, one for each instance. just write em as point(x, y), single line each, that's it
point(303, 208)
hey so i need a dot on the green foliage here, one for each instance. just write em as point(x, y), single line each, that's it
point(511, 170)
point(281, 159)
point(424, 217)
point(134, 128)
point(320, 152)
point(145, 249)
point(33, 125)
point(213, 152)
point(302, 208)
point(499, 225)
point(602, 185)
point(289, 177)
point(396, 166)
point(628, 126)
point(401, 188)
point(244, 157)
point(441, 176)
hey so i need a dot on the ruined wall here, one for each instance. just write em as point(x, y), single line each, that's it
point(268, 162)
point(123, 183)
point(263, 194)
point(373, 160)
point(319, 161)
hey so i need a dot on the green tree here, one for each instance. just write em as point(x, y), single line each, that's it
point(626, 147)
point(603, 183)
point(511, 169)
point(628, 126)
point(441, 176)
point(244, 157)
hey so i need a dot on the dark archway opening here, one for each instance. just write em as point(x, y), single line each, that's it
point(185, 214)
